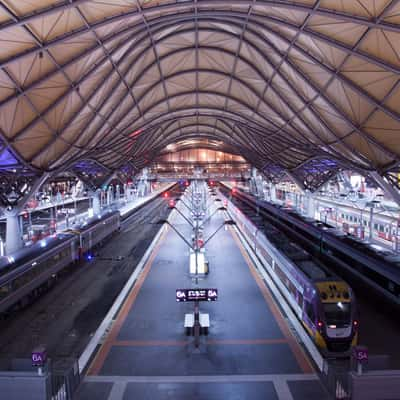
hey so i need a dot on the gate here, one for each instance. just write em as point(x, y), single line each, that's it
point(65, 378)
point(336, 380)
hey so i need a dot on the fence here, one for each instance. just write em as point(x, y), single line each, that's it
point(65, 378)
point(336, 379)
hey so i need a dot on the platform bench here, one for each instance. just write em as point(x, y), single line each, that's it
point(204, 320)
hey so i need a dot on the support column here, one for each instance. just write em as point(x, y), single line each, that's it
point(310, 205)
point(126, 192)
point(14, 240)
point(272, 191)
point(389, 190)
point(109, 195)
point(96, 202)
point(117, 193)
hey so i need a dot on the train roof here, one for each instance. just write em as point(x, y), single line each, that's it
point(312, 270)
point(304, 261)
point(28, 253)
point(94, 220)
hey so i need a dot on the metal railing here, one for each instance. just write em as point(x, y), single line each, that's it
point(65, 378)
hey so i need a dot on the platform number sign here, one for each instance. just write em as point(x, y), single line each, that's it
point(196, 295)
point(360, 354)
point(39, 357)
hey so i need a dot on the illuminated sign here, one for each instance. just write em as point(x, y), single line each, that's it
point(196, 295)
point(360, 354)
point(39, 356)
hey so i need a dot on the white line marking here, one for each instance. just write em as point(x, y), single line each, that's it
point(282, 389)
point(99, 334)
point(203, 378)
point(306, 340)
point(117, 391)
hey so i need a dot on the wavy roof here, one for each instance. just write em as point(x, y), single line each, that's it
point(280, 82)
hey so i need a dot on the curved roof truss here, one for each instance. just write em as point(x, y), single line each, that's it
point(280, 82)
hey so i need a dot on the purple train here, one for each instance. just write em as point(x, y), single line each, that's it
point(322, 301)
point(32, 270)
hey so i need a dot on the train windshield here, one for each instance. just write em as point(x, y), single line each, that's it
point(337, 314)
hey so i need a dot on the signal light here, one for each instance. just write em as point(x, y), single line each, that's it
point(171, 203)
point(89, 256)
point(355, 323)
point(187, 183)
point(320, 324)
point(234, 190)
point(166, 195)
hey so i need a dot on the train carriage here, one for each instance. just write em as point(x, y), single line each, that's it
point(27, 272)
point(323, 302)
point(34, 268)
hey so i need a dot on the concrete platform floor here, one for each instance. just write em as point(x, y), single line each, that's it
point(249, 353)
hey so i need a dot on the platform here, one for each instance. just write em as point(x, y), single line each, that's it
point(249, 353)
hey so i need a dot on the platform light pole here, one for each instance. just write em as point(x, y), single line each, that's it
point(371, 216)
point(196, 249)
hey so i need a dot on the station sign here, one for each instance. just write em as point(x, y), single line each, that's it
point(196, 295)
point(360, 354)
point(39, 357)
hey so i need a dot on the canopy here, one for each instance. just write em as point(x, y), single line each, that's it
point(282, 83)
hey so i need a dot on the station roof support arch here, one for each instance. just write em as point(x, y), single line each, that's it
point(307, 86)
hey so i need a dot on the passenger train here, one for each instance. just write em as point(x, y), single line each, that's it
point(31, 270)
point(352, 220)
point(323, 302)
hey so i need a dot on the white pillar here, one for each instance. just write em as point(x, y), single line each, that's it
point(126, 192)
point(272, 191)
point(14, 240)
point(96, 203)
point(371, 223)
point(310, 205)
point(118, 193)
point(109, 195)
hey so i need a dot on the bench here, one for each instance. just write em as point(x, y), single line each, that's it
point(204, 320)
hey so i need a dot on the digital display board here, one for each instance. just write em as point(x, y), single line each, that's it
point(196, 295)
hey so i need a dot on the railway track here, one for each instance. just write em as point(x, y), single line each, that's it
point(65, 317)
point(375, 312)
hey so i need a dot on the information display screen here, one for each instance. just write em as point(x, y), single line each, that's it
point(196, 295)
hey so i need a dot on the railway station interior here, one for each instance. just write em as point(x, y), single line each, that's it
point(199, 199)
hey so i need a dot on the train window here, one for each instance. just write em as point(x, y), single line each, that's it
point(376, 226)
point(337, 314)
point(310, 311)
point(300, 299)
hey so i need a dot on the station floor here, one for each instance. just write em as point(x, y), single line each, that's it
point(250, 353)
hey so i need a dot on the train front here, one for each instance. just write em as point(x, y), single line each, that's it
point(338, 323)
